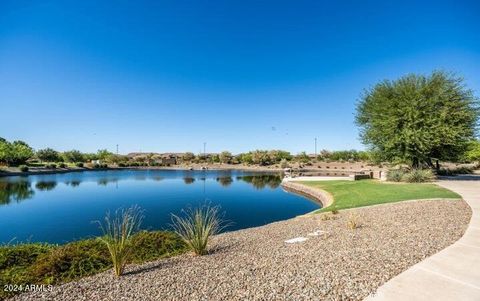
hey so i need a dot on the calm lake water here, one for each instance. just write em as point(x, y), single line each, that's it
point(59, 208)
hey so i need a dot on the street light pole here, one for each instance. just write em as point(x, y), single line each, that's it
point(315, 146)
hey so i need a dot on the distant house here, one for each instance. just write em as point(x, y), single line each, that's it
point(168, 159)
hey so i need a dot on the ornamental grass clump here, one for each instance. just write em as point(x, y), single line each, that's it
point(418, 176)
point(196, 226)
point(395, 175)
point(117, 235)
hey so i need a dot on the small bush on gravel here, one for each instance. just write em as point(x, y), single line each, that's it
point(418, 176)
point(117, 235)
point(197, 226)
point(21, 254)
point(79, 164)
point(15, 261)
point(326, 216)
point(151, 245)
point(23, 168)
point(353, 221)
point(71, 261)
point(395, 175)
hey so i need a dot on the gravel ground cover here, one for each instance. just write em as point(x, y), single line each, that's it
point(256, 263)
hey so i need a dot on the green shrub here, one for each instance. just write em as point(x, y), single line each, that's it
point(21, 254)
point(148, 246)
point(15, 261)
point(62, 165)
point(103, 165)
point(79, 164)
point(51, 166)
point(418, 176)
point(71, 261)
point(122, 165)
point(395, 175)
point(23, 168)
point(96, 165)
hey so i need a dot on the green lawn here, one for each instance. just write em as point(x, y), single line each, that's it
point(351, 194)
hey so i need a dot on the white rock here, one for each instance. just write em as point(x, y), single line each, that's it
point(296, 239)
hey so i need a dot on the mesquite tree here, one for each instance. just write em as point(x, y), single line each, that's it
point(419, 118)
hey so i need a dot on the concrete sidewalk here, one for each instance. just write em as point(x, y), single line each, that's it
point(454, 272)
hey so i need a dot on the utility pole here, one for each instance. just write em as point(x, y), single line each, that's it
point(117, 149)
point(315, 146)
point(204, 153)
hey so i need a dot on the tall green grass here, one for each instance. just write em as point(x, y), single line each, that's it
point(196, 227)
point(117, 235)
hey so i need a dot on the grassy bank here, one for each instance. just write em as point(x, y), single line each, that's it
point(36, 263)
point(351, 194)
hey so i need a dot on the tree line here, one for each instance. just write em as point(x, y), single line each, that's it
point(19, 152)
point(416, 120)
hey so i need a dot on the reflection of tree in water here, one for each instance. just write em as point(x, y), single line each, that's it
point(46, 185)
point(157, 178)
point(225, 181)
point(188, 180)
point(105, 181)
point(261, 181)
point(74, 183)
point(15, 191)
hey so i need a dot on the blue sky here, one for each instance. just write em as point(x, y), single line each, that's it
point(239, 75)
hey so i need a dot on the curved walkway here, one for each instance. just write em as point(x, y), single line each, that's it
point(454, 272)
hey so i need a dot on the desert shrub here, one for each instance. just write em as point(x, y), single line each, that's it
point(103, 165)
point(117, 235)
point(326, 216)
point(23, 168)
point(96, 165)
point(122, 165)
point(153, 245)
point(418, 176)
point(71, 261)
point(15, 261)
point(395, 175)
point(353, 221)
point(454, 171)
point(79, 164)
point(197, 226)
point(284, 163)
point(21, 254)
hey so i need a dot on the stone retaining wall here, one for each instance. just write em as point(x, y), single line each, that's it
point(316, 194)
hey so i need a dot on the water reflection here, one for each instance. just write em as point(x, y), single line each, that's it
point(105, 181)
point(188, 180)
point(15, 191)
point(225, 181)
point(74, 183)
point(262, 181)
point(46, 185)
point(21, 189)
